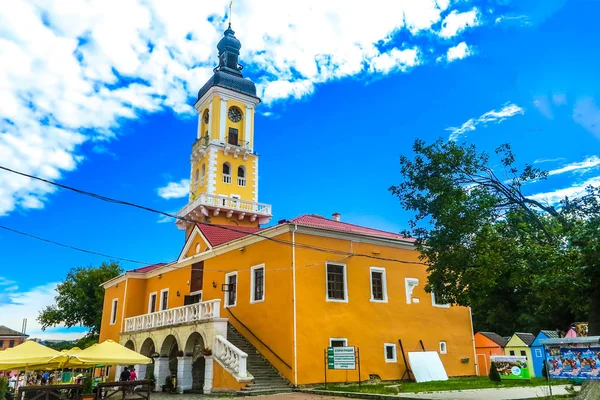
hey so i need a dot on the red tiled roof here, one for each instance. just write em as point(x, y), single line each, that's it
point(220, 234)
point(147, 268)
point(318, 221)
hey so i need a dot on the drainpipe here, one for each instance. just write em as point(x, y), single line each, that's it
point(124, 303)
point(294, 302)
point(473, 341)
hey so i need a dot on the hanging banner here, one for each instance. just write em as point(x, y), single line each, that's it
point(512, 367)
point(575, 361)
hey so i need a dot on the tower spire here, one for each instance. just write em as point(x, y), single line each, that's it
point(230, 4)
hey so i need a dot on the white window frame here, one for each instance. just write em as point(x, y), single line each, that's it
point(409, 285)
point(445, 349)
point(150, 302)
point(345, 299)
point(161, 307)
point(237, 284)
point(345, 340)
point(435, 304)
point(383, 283)
point(253, 283)
point(390, 360)
point(114, 311)
point(538, 353)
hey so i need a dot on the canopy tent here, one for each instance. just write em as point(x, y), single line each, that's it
point(108, 353)
point(30, 355)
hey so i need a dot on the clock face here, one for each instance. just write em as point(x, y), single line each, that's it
point(205, 117)
point(234, 114)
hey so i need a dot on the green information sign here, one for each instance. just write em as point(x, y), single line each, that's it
point(512, 367)
point(341, 358)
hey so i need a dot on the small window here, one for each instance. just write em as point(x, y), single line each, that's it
point(1, 344)
point(196, 176)
point(410, 285)
point(233, 136)
point(226, 173)
point(113, 312)
point(202, 175)
point(378, 285)
point(231, 294)
point(523, 353)
point(512, 352)
point(152, 303)
point(443, 348)
point(336, 282)
point(11, 343)
point(241, 176)
point(390, 352)
point(436, 304)
point(164, 299)
point(538, 353)
point(338, 342)
point(257, 284)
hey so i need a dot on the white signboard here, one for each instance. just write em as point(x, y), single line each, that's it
point(427, 366)
point(341, 358)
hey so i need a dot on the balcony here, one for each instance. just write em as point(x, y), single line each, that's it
point(193, 313)
point(199, 147)
point(206, 205)
point(236, 146)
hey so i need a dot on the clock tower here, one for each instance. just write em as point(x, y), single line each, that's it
point(224, 165)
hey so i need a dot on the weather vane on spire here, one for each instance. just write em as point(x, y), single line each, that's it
point(230, 4)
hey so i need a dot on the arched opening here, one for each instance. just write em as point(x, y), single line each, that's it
point(149, 350)
point(194, 347)
point(226, 172)
point(170, 348)
point(202, 174)
point(130, 345)
point(241, 178)
point(196, 176)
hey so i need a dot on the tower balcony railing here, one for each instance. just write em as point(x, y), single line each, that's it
point(234, 141)
point(226, 178)
point(203, 141)
point(226, 203)
point(241, 181)
point(203, 311)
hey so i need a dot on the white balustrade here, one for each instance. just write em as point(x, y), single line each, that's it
point(226, 178)
point(241, 181)
point(205, 310)
point(230, 356)
point(211, 200)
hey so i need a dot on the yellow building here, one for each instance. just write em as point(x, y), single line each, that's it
point(520, 345)
point(254, 309)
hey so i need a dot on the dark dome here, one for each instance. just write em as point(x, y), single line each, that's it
point(229, 42)
point(229, 81)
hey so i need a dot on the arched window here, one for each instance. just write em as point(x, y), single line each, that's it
point(241, 178)
point(226, 173)
point(196, 174)
point(202, 175)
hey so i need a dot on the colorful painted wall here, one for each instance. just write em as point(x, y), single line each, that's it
point(485, 348)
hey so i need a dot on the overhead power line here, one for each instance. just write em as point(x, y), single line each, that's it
point(193, 221)
point(72, 247)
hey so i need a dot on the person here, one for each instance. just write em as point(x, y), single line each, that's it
point(133, 375)
point(12, 382)
point(45, 378)
point(125, 375)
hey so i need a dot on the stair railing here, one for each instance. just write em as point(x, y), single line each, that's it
point(257, 338)
point(232, 357)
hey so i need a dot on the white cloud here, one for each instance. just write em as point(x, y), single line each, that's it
point(581, 166)
point(543, 106)
point(559, 99)
point(17, 305)
point(73, 72)
point(573, 191)
point(458, 52)
point(507, 111)
point(518, 19)
point(456, 22)
point(587, 114)
point(175, 190)
point(545, 160)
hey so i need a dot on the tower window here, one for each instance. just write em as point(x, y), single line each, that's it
point(196, 175)
point(226, 173)
point(205, 117)
point(202, 174)
point(233, 136)
point(241, 176)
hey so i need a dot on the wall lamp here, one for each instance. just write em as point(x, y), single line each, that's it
point(178, 294)
point(214, 284)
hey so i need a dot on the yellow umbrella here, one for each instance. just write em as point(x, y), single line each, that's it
point(108, 353)
point(29, 354)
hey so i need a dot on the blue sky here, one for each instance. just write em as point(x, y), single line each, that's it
point(101, 100)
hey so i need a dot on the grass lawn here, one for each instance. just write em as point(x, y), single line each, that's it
point(451, 384)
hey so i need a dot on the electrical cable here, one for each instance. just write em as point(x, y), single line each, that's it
point(193, 221)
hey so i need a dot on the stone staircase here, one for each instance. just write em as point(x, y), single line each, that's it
point(266, 378)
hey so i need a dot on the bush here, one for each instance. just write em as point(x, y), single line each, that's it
point(3, 387)
point(494, 375)
point(88, 383)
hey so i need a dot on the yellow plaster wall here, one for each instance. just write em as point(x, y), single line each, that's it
point(108, 331)
point(174, 280)
point(270, 320)
point(223, 380)
point(197, 240)
point(135, 292)
point(368, 325)
point(226, 189)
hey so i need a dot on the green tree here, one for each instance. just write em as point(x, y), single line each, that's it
point(519, 263)
point(80, 298)
point(494, 375)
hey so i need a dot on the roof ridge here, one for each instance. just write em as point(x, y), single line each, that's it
point(346, 223)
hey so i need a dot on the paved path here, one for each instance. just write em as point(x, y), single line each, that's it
point(490, 394)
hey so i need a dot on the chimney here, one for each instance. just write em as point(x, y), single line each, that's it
point(336, 216)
